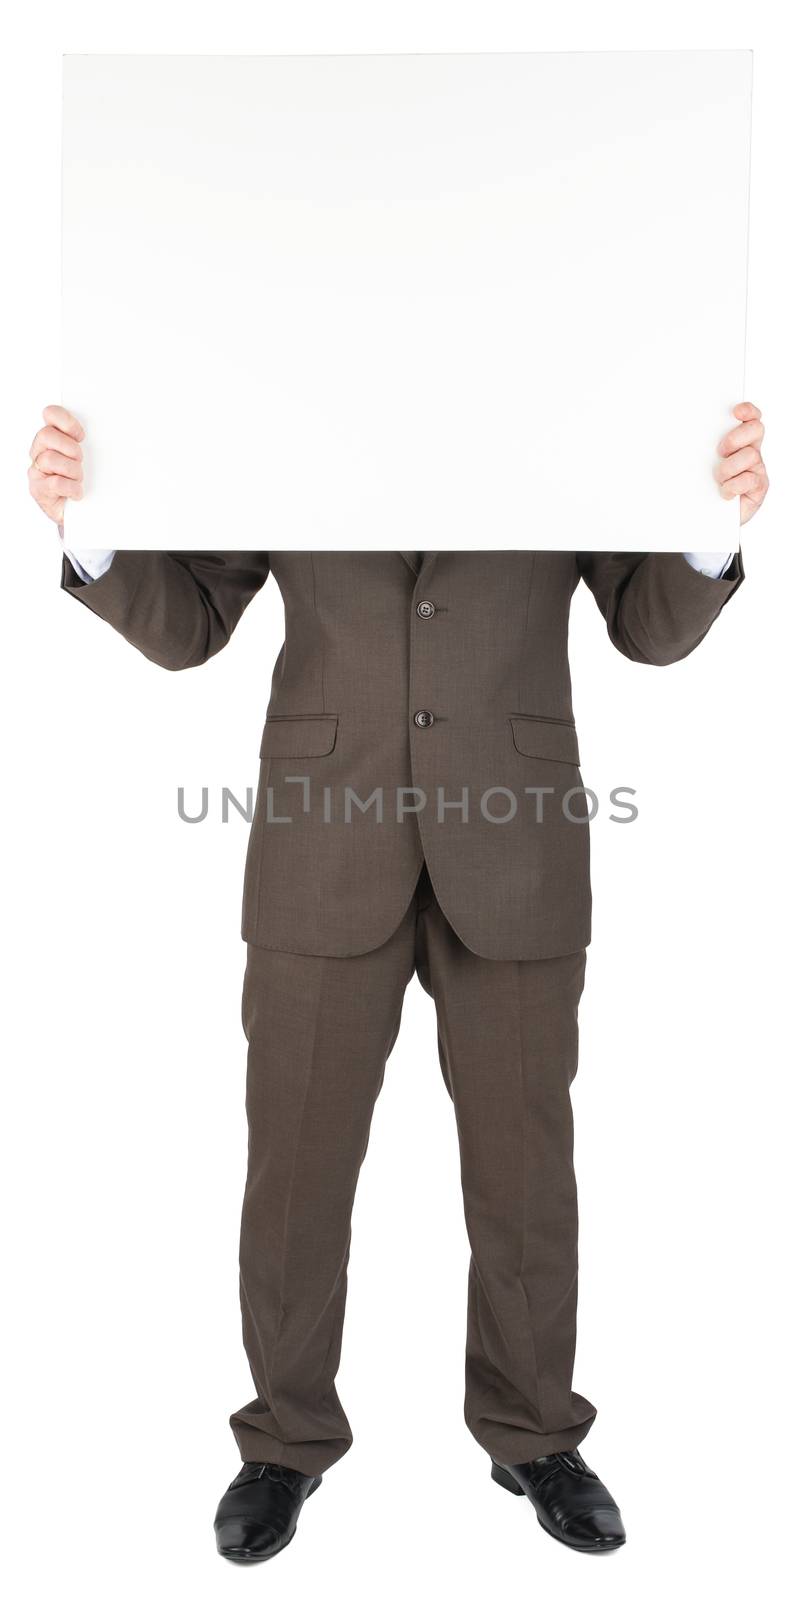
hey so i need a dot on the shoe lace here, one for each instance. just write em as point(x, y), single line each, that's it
point(546, 1467)
point(253, 1470)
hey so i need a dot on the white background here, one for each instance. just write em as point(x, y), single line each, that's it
point(123, 1134)
point(421, 279)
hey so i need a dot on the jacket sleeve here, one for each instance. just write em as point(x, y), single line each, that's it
point(177, 608)
point(657, 607)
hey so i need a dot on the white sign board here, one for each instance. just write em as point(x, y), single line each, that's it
point(370, 302)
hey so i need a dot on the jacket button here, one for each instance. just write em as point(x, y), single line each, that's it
point(425, 609)
point(423, 719)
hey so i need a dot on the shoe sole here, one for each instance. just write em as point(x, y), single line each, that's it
point(255, 1561)
point(502, 1476)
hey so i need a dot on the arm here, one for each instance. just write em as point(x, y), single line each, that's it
point(659, 607)
point(177, 608)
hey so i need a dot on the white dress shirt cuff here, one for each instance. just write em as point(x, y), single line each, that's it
point(712, 565)
point(87, 564)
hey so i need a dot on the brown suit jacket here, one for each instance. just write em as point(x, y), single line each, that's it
point(479, 641)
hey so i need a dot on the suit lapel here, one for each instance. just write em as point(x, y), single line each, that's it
point(411, 559)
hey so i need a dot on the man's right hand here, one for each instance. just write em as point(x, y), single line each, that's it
point(56, 472)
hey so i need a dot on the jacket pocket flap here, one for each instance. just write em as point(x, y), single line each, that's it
point(542, 736)
point(299, 737)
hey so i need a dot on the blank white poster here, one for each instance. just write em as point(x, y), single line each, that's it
point(371, 302)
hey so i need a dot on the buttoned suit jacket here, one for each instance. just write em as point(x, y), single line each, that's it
point(477, 640)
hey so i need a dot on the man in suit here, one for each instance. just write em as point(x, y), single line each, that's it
point(419, 809)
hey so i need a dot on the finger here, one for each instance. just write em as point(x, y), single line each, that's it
point(50, 486)
point(746, 433)
point(761, 488)
point(52, 461)
point(60, 418)
point(745, 483)
point(37, 482)
point(55, 439)
point(745, 411)
point(750, 503)
point(738, 462)
point(41, 487)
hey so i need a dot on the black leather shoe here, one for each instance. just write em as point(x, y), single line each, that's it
point(257, 1516)
point(569, 1500)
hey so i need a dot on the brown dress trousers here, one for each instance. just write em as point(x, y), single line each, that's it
point(446, 678)
point(320, 1029)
